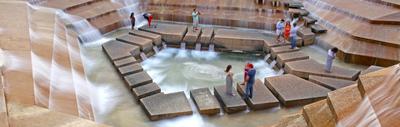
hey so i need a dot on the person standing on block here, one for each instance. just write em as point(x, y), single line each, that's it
point(280, 25)
point(251, 74)
point(195, 15)
point(132, 17)
point(229, 80)
point(148, 17)
point(329, 60)
point(293, 35)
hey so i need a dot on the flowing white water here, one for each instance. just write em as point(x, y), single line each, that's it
point(211, 48)
point(273, 63)
point(183, 45)
point(143, 56)
point(164, 45)
point(198, 47)
point(156, 50)
point(267, 57)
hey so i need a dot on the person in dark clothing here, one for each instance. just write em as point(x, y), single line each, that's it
point(251, 74)
point(132, 17)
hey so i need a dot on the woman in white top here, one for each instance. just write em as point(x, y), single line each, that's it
point(329, 60)
point(229, 80)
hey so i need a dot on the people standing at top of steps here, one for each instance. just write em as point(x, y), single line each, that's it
point(280, 25)
point(250, 79)
point(293, 35)
point(329, 60)
point(148, 17)
point(195, 15)
point(229, 80)
point(132, 17)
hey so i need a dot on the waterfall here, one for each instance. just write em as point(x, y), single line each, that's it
point(198, 47)
point(267, 57)
point(281, 71)
point(273, 63)
point(183, 45)
point(164, 45)
point(86, 32)
point(211, 48)
point(156, 50)
point(143, 56)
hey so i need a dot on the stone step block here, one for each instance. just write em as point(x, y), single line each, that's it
point(206, 103)
point(304, 68)
point(262, 96)
point(318, 29)
point(162, 106)
point(309, 20)
point(192, 36)
point(206, 35)
point(268, 44)
point(125, 62)
point(138, 79)
point(282, 49)
point(292, 90)
point(170, 33)
point(146, 45)
point(155, 37)
point(330, 83)
point(289, 57)
point(306, 34)
point(318, 114)
point(370, 69)
point(230, 104)
point(238, 40)
point(145, 90)
point(117, 50)
point(130, 69)
point(295, 120)
point(344, 102)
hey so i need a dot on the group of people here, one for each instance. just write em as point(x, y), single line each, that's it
point(287, 30)
point(249, 79)
point(146, 16)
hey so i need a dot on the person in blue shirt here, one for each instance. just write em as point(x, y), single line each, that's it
point(250, 82)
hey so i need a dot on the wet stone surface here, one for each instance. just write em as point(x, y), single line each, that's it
point(145, 90)
point(262, 96)
point(138, 79)
point(206, 103)
point(230, 104)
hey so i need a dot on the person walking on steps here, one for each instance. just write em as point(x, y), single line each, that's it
point(329, 60)
point(229, 80)
point(195, 15)
point(280, 25)
point(293, 35)
point(132, 17)
point(251, 74)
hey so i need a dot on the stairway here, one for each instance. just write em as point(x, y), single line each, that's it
point(356, 105)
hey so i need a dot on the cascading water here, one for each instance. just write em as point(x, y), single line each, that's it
point(143, 56)
point(211, 48)
point(164, 45)
point(198, 47)
point(267, 57)
point(183, 45)
point(273, 63)
point(156, 50)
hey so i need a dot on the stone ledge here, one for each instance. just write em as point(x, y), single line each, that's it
point(289, 57)
point(137, 79)
point(117, 50)
point(191, 36)
point(230, 104)
point(170, 33)
point(206, 35)
point(263, 97)
point(145, 44)
point(318, 114)
point(130, 69)
point(125, 62)
point(206, 103)
point(238, 40)
point(145, 90)
point(282, 49)
point(155, 37)
point(330, 83)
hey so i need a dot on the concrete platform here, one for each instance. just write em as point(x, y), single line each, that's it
point(262, 96)
point(191, 36)
point(295, 120)
point(230, 104)
point(370, 69)
point(206, 103)
point(138, 79)
point(289, 57)
point(318, 29)
point(155, 37)
point(295, 4)
point(162, 106)
point(307, 35)
point(130, 69)
point(125, 61)
point(330, 83)
point(206, 35)
point(344, 102)
point(117, 50)
point(268, 44)
point(309, 20)
point(282, 49)
point(304, 68)
point(318, 114)
point(292, 90)
point(145, 90)
point(145, 44)
point(372, 81)
point(238, 40)
point(170, 33)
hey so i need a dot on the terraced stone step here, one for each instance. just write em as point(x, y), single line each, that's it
point(206, 35)
point(230, 104)
point(262, 96)
point(125, 62)
point(145, 90)
point(372, 81)
point(155, 37)
point(3, 107)
point(330, 83)
point(318, 29)
point(110, 22)
point(162, 106)
point(206, 103)
point(138, 79)
point(304, 68)
point(292, 90)
point(170, 33)
point(282, 49)
point(307, 35)
point(95, 9)
point(289, 57)
point(370, 69)
point(117, 50)
point(145, 45)
point(192, 36)
point(309, 20)
point(295, 120)
point(130, 69)
point(318, 114)
point(67, 4)
point(268, 44)
point(238, 40)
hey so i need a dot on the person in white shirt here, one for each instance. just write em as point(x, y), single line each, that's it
point(280, 25)
point(329, 60)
